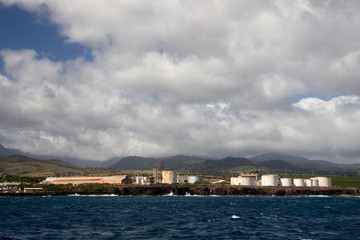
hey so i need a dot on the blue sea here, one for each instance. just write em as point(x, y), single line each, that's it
point(179, 217)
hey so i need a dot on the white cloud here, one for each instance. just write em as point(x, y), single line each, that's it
point(206, 77)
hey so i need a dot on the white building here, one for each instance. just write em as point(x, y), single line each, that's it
point(142, 180)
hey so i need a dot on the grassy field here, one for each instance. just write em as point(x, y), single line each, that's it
point(337, 180)
point(346, 181)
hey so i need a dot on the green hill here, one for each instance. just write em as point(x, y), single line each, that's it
point(265, 163)
point(25, 166)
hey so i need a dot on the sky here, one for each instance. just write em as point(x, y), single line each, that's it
point(98, 79)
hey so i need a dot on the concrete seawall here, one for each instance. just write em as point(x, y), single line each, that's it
point(205, 190)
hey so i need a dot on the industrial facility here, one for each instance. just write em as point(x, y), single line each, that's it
point(142, 180)
point(168, 177)
point(194, 179)
point(161, 176)
point(245, 180)
point(274, 180)
point(121, 179)
point(157, 172)
point(181, 179)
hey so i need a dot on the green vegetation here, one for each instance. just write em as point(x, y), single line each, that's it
point(25, 166)
point(337, 180)
point(346, 181)
point(22, 179)
point(30, 172)
point(79, 188)
point(97, 188)
point(53, 188)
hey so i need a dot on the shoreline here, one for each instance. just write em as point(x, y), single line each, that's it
point(203, 190)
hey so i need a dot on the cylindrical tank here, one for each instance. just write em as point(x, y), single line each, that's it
point(169, 177)
point(235, 181)
point(315, 182)
point(138, 180)
point(299, 182)
point(324, 181)
point(232, 181)
point(194, 179)
point(308, 182)
point(286, 182)
point(269, 180)
point(247, 181)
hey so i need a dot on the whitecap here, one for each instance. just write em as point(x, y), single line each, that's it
point(235, 217)
point(93, 195)
point(74, 195)
point(318, 196)
point(169, 194)
point(102, 195)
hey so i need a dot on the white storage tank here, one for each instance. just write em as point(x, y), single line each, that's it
point(194, 179)
point(286, 182)
point(169, 177)
point(248, 180)
point(142, 180)
point(139, 180)
point(324, 181)
point(232, 181)
point(235, 181)
point(315, 182)
point(269, 180)
point(308, 182)
point(299, 182)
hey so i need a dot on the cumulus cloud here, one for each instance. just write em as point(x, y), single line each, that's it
point(207, 77)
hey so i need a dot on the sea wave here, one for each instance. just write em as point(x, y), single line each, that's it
point(92, 195)
point(318, 196)
point(171, 194)
point(154, 217)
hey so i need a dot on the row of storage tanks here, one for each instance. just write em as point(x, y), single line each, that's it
point(168, 177)
point(274, 180)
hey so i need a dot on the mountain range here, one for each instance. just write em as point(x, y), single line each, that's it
point(264, 163)
point(72, 160)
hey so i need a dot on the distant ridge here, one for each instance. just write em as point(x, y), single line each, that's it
point(134, 163)
point(299, 162)
point(71, 160)
point(267, 162)
point(277, 156)
point(22, 165)
point(8, 151)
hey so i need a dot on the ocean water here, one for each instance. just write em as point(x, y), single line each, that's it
point(179, 217)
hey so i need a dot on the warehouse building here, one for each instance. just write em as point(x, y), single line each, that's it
point(121, 179)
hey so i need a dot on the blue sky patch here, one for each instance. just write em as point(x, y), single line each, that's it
point(22, 30)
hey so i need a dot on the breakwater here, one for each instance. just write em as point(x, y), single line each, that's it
point(206, 190)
